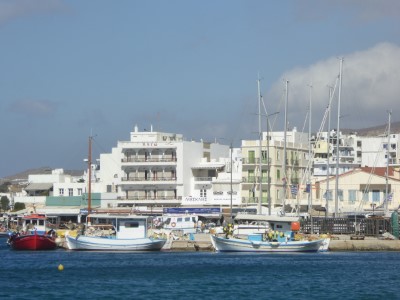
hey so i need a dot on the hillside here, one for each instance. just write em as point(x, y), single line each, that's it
point(376, 130)
point(23, 176)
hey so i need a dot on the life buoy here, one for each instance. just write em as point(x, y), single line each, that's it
point(173, 224)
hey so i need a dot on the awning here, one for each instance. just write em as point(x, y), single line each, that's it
point(39, 187)
point(209, 166)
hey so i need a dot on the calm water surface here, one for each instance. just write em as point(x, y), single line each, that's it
point(202, 275)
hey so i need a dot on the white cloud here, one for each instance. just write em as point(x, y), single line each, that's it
point(33, 108)
point(355, 10)
point(370, 88)
point(11, 10)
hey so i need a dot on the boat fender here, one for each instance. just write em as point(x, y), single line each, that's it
point(173, 224)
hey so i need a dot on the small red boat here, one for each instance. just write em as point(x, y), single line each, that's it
point(34, 236)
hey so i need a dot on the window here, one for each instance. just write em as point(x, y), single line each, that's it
point(328, 195)
point(109, 188)
point(79, 192)
point(340, 195)
point(61, 191)
point(264, 156)
point(375, 196)
point(278, 174)
point(251, 155)
point(251, 176)
point(70, 192)
point(352, 196)
point(365, 196)
point(131, 224)
point(203, 193)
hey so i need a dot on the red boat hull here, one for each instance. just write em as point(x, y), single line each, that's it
point(33, 242)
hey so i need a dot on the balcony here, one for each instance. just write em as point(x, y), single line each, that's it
point(154, 161)
point(253, 179)
point(144, 180)
point(254, 161)
point(203, 179)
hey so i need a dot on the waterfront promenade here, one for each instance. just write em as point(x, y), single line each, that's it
point(202, 242)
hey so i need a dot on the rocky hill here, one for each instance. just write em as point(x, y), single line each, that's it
point(23, 176)
point(375, 131)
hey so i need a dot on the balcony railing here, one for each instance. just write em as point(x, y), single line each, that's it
point(151, 198)
point(202, 178)
point(144, 159)
point(254, 160)
point(148, 179)
point(148, 198)
point(253, 179)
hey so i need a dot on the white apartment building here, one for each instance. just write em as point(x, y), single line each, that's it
point(375, 153)
point(325, 154)
point(157, 169)
point(354, 151)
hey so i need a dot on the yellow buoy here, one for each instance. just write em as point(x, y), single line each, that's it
point(60, 267)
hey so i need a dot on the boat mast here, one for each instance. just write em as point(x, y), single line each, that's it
point(260, 147)
point(328, 136)
point(386, 204)
point(89, 181)
point(268, 171)
point(310, 162)
point(284, 150)
point(337, 141)
point(231, 184)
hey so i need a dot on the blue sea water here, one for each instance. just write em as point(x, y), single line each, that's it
point(197, 275)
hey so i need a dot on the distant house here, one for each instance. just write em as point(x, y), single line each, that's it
point(360, 189)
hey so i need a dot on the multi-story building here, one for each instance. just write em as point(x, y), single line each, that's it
point(263, 162)
point(374, 150)
point(157, 169)
point(325, 154)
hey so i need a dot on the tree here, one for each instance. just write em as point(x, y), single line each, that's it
point(4, 187)
point(19, 206)
point(5, 203)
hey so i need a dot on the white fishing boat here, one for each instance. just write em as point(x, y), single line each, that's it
point(113, 232)
point(116, 233)
point(281, 237)
point(255, 243)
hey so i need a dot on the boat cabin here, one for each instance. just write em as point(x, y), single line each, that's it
point(34, 223)
point(275, 223)
point(125, 226)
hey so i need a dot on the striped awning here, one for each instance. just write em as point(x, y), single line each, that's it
point(39, 187)
point(209, 166)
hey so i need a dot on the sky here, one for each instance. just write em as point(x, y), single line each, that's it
point(74, 69)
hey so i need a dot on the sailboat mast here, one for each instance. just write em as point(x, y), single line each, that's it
point(310, 161)
point(260, 147)
point(89, 180)
point(328, 139)
point(284, 150)
point(337, 141)
point(386, 204)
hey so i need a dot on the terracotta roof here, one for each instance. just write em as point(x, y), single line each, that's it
point(380, 171)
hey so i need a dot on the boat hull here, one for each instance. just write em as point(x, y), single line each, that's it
point(33, 242)
point(222, 244)
point(112, 244)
